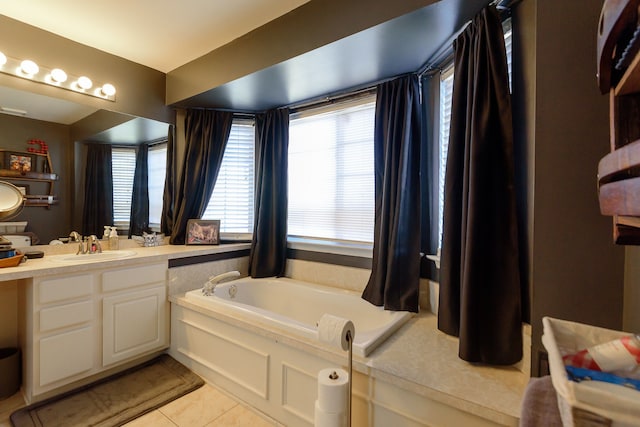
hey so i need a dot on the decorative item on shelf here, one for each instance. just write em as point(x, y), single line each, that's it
point(203, 232)
point(44, 149)
point(20, 162)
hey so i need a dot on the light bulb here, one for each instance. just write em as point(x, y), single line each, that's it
point(108, 89)
point(3, 59)
point(58, 75)
point(85, 83)
point(29, 67)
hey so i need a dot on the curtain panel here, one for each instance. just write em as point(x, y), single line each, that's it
point(395, 273)
point(206, 136)
point(139, 218)
point(480, 297)
point(98, 190)
point(430, 174)
point(268, 254)
point(168, 197)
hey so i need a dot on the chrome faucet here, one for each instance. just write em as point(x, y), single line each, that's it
point(93, 245)
point(74, 236)
point(210, 285)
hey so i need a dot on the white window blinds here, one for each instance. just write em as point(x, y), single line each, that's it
point(232, 198)
point(331, 173)
point(157, 165)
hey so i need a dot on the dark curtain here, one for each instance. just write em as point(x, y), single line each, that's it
point(480, 280)
point(139, 218)
point(168, 211)
point(395, 273)
point(430, 175)
point(269, 245)
point(98, 190)
point(206, 135)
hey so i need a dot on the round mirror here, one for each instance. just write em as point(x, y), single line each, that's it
point(11, 200)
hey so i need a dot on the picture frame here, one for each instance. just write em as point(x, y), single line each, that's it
point(203, 232)
point(19, 161)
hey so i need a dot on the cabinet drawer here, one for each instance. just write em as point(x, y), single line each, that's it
point(131, 277)
point(65, 315)
point(53, 290)
point(65, 355)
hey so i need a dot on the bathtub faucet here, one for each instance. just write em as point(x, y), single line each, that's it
point(210, 285)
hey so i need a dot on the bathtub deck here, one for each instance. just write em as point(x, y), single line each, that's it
point(424, 361)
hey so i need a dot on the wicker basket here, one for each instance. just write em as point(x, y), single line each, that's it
point(587, 403)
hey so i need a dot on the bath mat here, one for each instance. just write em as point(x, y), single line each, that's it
point(113, 401)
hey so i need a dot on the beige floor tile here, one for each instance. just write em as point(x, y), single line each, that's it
point(198, 408)
point(155, 419)
point(7, 406)
point(240, 416)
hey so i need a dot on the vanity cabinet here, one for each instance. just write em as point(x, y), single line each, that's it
point(81, 325)
point(619, 77)
point(133, 296)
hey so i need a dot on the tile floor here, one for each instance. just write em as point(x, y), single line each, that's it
point(204, 407)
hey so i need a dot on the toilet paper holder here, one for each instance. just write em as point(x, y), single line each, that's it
point(350, 370)
point(340, 332)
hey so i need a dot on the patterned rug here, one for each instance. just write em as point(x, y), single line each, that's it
point(113, 401)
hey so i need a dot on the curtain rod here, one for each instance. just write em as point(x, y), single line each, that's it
point(445, 52)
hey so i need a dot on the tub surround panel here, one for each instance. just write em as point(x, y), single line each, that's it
point(186, 278)
point(418, 365)
point(222, 352)
point(337, 276)
point(294, 379)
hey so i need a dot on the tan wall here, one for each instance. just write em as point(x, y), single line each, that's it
point(53, 222)
point(576, 271)
point(140, 90)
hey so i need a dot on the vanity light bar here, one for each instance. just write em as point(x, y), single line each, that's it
point(30, 70)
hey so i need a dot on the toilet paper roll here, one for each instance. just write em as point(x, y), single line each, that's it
point(328, 419)
point(333, 330)
point(333, 388)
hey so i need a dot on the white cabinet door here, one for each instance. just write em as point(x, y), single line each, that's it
point(65, 355)
point(134, 323)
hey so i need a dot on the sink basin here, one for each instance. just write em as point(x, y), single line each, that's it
point(102, 256)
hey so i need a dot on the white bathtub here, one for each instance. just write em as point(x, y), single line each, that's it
point(297, 307)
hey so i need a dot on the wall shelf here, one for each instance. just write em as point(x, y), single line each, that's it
point(619, 171)
point(18, 177)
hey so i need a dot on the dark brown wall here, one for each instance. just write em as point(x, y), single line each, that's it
point(576, 273)
point(53, 222)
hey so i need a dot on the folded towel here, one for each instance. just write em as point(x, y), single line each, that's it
point(540, 404)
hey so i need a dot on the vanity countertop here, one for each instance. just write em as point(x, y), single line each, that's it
point(51, 264)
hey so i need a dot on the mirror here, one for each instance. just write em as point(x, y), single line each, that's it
point(64, 126)
point(11, 201)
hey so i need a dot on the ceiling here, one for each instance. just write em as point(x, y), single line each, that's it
point(162, 35)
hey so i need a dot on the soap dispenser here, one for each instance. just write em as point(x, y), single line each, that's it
point(113, 239)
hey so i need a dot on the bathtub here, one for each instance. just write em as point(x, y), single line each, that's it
point(296, 307)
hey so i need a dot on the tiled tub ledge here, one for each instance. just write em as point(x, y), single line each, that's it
point(422, 359)
point(416, 373)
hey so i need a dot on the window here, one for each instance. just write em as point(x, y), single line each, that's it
point(122, 169)
point(157, 170)
point(331, 172)
point(232, 198)
point(446, 91)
